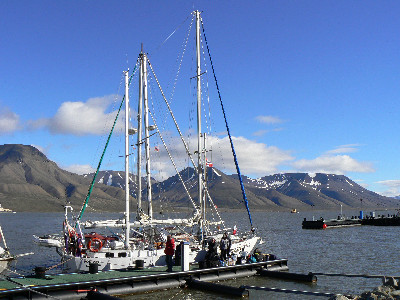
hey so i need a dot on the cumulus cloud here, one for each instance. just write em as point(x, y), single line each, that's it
point(336, 164)
point(269, 119)
point(334, 161)
point(79, 169)
point(255, 159)
point(392, 187)
point(80, 118)
point(9, 121)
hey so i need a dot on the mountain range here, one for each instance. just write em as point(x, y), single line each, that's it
point(29, 181)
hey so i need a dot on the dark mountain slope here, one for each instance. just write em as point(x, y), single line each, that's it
point(29, 181)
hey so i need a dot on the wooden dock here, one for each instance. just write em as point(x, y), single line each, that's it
point(77, 285)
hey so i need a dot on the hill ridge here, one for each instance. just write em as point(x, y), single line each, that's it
point(29, 181)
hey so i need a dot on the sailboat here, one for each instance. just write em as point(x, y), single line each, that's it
point(143, 241)
point(5, 255)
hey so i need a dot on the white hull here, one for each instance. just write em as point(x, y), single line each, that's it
point(127, 258)
point(48, 241)
point(5, 259)
point(4, 265)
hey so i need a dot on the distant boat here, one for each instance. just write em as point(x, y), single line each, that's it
point(48, 240)
point(294, 211)
point(6, 210)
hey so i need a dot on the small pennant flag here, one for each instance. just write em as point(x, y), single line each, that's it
point(209, 163)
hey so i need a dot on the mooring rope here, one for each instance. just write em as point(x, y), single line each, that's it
point(28, 288)
point(59, 264)
point(15, 272)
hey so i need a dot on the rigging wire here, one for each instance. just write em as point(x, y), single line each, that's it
point(172, 160)
point(173, 32)
point(102, 156)
point(227, 128)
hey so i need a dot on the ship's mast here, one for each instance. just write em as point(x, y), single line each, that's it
point(199, 141)
point(127, 221)
point(147, 139)
point(139, 141)
point(205, 179)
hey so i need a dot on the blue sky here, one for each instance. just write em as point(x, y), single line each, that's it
point(309, 86)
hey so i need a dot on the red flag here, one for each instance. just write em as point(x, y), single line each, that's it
point(209, 163)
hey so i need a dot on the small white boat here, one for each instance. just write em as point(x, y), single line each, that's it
point(48, 240)
point(6, 210)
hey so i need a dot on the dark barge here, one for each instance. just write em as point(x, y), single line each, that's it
point(393, 220)
point(77, 285)
point(323, 224)
point(380, 220)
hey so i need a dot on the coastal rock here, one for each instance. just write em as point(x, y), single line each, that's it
point(389, 290)
point(392, 282)
point(395, 294)
point(368, 296)
point(383, 289)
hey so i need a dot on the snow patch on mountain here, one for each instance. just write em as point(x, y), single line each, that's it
point(109, 181)
point(216, 173)
point(349, 182)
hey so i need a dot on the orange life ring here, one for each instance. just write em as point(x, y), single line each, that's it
point(97, 244)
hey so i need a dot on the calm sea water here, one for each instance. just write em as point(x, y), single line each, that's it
point(355, 250)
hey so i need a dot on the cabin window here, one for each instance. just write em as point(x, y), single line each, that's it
point(109, 254)
point(122, 254)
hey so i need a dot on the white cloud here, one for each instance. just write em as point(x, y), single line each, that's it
point(255, 159)
point(336, 164)
point(269, 119)
point(9, 121)
point(350, 148)
point(44, 150)
point(392, 187)
point(260, 132)
point(362, 183)
point(81, 118)
point(265, 131)
point(79, 169)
